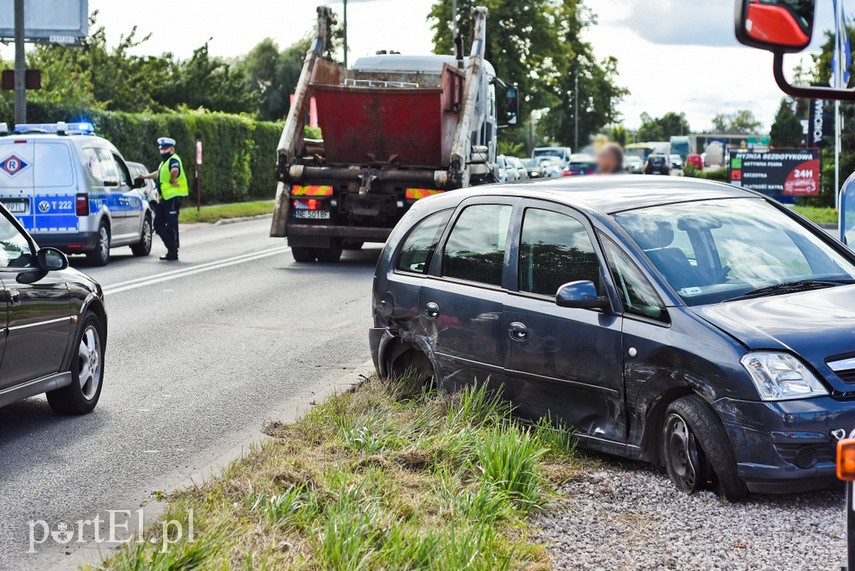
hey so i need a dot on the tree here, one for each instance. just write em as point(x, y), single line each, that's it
point(743, 122)
point(663, 128)
point(271, 76)
point(537, 45)
point(787, 129)
point(619, 135)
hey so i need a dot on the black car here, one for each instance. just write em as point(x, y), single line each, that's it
point(687, 323)
point(55, 325)
point(657, 164)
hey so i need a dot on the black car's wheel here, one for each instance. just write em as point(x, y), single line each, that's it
point(303, 255)
point(87, 371)
point(100, 256)
point(329, 255)
point(697, 450)
point(143, 247)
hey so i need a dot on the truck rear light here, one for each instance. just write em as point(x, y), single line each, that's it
point(81, 204)
point(417, 193)
point(846, 459)
point(307, 204)
point(311, 190)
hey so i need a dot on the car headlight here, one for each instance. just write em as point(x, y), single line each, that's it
point(781, 376)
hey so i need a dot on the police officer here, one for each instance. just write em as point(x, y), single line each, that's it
point(171, 181)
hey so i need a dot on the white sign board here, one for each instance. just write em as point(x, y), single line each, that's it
point(57, 21)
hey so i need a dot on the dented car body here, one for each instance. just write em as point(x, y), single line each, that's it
point(690, 324)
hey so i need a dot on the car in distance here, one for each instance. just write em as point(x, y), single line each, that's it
point(73, 190)
point(507, 172)
point(533, 168)
point(54, 322)
point(581, 165)
point(516, 162)
point(691, 324)
point(676, 162)
point(657, 164)
point(633, 164)
point(563, 154)
point(695, 160)
point(552, 167)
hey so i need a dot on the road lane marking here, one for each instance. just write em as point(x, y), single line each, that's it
point(192, 270)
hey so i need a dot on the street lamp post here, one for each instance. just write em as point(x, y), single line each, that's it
point(345, 34)
point(20, 65)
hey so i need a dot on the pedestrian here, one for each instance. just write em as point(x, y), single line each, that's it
point(610, 159)
point(171, 181)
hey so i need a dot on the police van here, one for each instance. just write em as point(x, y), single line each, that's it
point(73, 190)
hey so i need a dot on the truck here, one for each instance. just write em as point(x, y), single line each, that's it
point(395, 128)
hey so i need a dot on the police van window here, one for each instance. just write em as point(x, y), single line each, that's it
point(555, 249)
point(14, 249)
point(52, 165)
point(93, 163)
point(418, 248)
point(122, 170)
point(109, 172)
point(475, 250)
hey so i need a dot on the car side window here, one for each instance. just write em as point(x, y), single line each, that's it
point(636, 293)
point(15, 251)
point(554, 249)
point(109, 172)
point(475, 250)
point(420, 245)
point(122, 170)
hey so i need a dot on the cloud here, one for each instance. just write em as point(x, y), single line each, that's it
point(683, 22)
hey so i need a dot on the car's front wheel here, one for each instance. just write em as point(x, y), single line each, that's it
point(87, 371)
point(143, 247)
point(697, 451)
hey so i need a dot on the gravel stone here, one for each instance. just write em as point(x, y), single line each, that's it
point(632, 517)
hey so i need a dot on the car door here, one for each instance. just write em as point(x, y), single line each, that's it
point(563, 361)
point(130, 203)
point(39, 316)
point(115, 190)
point(462, 300)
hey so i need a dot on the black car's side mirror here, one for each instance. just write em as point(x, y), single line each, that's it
point(581, 295)
point(51, 260)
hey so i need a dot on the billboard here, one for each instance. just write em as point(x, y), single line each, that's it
point(57, 21)
point(782, 173)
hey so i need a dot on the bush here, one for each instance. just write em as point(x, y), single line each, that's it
point(717, 174)
point(239, 153)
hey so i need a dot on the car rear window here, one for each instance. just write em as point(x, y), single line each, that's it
point(475, 251)
point(420, 245)
point(52, 165)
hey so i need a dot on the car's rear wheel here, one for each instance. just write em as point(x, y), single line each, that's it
point(303, 255)
point(87, 371)
point(329, 255)
point(143, 247)
point(100, 256)
point(697, 451)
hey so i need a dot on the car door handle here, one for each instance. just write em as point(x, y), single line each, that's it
point(432, 310)
point(518, 331)
point(14, 297)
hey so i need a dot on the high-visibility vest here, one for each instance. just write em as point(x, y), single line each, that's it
point(168, 191)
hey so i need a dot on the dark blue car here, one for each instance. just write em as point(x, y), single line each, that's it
point(694, 325)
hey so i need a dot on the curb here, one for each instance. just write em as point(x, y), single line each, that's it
point(241, 219)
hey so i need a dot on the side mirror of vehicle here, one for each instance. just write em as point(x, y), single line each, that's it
point(512, 95)
point(139, 183)
point(51, 260)
point(581, 295)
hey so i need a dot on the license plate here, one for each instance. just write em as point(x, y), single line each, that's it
point(312, 214)
point(16, 206)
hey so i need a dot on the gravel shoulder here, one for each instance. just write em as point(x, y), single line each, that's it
point(628, 516)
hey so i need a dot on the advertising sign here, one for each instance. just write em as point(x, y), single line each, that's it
point(55, 21)
point(780, 173)
point(820, 125)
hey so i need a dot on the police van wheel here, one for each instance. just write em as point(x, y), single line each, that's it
point(329, 255)
point(87, 371)
point(101, 254)
point(303, 255)
point(143, 247)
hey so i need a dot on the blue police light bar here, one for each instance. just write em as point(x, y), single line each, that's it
point(61, 128)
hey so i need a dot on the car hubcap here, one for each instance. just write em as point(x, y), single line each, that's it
point(147, 234)
point(683, 452)
point(89, 362)
point(104, 242)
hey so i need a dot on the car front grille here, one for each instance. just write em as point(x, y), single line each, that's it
point(844, 368)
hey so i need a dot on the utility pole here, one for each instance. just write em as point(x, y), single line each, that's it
point(20, 66)
point(840, 69)
point(345, 34)
point(576, 114)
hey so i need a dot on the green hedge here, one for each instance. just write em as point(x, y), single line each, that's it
point(239, 153)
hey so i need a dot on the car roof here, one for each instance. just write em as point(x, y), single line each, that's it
point(611, 193)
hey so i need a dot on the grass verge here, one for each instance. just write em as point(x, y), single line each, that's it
point(388, 476)
point(217, 212)
point(818, 214)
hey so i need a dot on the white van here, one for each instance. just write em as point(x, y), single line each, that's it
point(73, 190)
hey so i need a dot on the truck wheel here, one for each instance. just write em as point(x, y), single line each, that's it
point(143, 247)
point(100, 256)
point(697, 450)
point(329, 255)
point(303, 255)
point(87, 371)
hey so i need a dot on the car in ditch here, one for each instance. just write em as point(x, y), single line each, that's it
point(691, 324)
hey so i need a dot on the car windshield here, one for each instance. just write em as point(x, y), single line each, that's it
point(548, 153)
point(718, 250)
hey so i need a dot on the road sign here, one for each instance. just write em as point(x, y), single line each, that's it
point(782, 173)
point(33, 79)
point(58, 21)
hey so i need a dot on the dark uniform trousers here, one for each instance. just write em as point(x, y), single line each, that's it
point(166, 222)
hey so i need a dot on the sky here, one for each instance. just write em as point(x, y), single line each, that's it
point(673, 55)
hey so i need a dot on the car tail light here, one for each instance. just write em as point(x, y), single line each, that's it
point(308, 204)
point(846, 459)
point(81, 204)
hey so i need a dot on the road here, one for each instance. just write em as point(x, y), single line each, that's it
point(200, 354)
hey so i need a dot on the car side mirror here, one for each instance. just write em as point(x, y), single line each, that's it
point(581, 295)
point(775, 25)
point(51, 260)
